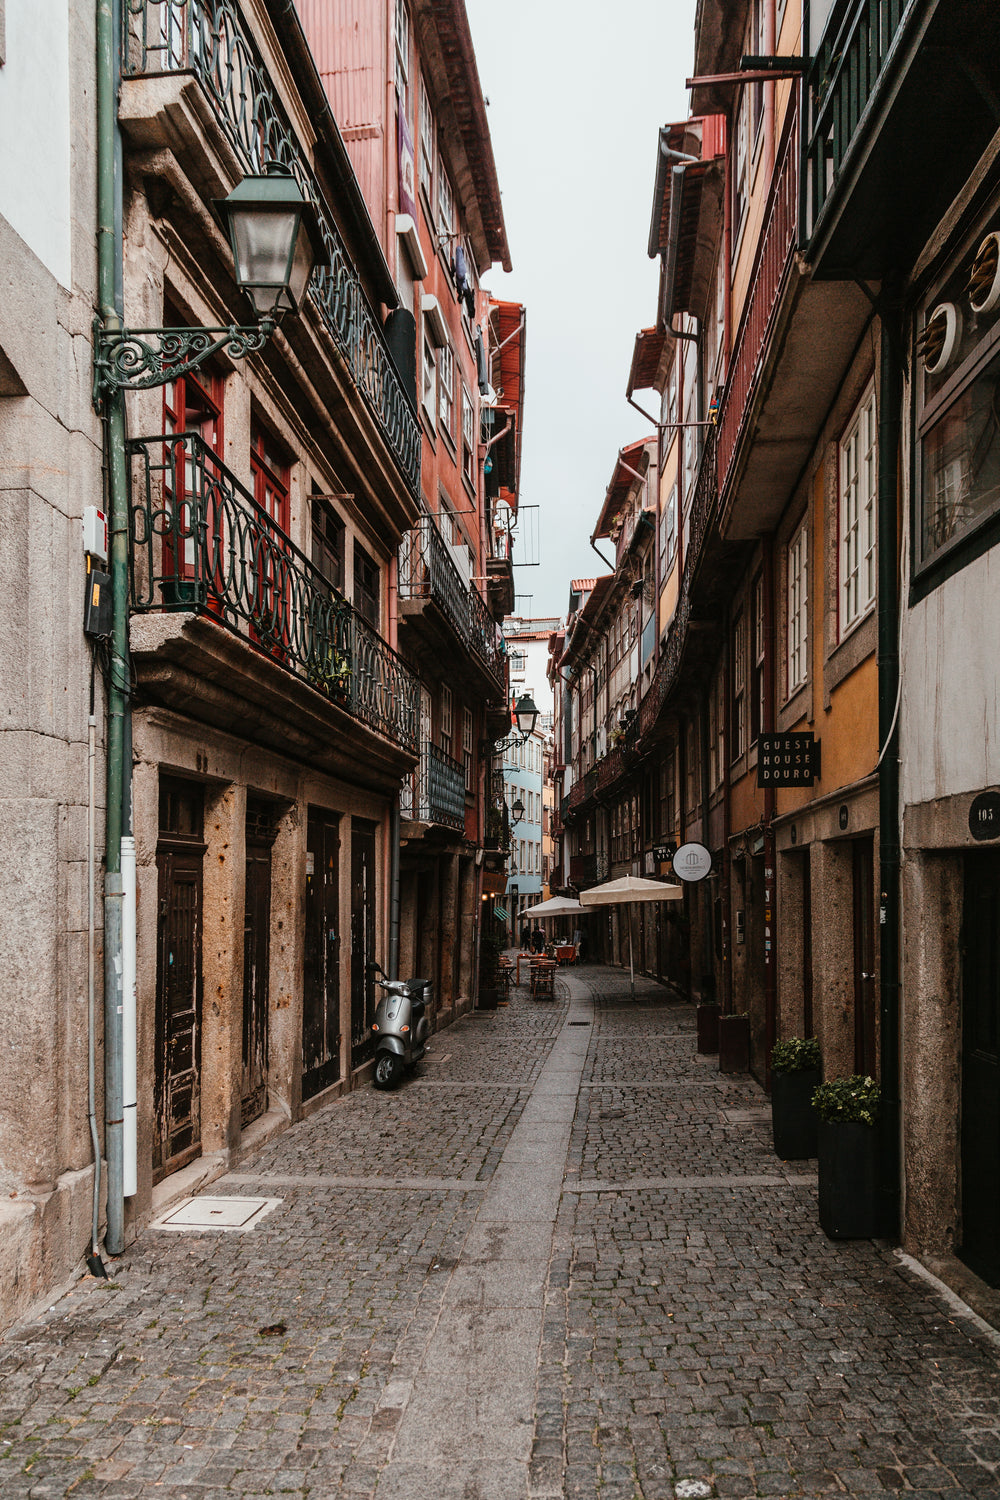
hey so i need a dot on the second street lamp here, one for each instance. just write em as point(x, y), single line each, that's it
point(525, 716)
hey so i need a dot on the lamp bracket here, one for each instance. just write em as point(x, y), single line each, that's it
point(137, 359)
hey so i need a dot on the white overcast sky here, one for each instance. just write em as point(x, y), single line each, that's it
point(577, 93)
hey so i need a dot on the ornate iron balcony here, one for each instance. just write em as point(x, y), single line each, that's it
point(427, 571)
point(207, 38)
point(201, 543)
point(436, 791)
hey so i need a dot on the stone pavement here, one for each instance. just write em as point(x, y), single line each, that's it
point(562, 1260)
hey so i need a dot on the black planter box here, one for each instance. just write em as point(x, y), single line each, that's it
point(794, 1122)
point(734, 1044)
point(848, 1180)
point(708, 1026)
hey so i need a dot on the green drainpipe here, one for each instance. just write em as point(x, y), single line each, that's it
point(890, 423)
point(109, 251)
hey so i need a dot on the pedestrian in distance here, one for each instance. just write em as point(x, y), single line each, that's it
point(537, 938)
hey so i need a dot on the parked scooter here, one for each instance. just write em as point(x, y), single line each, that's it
point(401, 1027)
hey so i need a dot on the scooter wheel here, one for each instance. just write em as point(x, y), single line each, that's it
point(388, 1070)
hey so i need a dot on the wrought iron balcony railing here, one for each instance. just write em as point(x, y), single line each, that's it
point(776, 251)
point(201, 543)
point(435, 793)
point(857, 43)
point(427, 571)
point(207, 38)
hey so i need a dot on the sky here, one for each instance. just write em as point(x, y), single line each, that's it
point(574, 111)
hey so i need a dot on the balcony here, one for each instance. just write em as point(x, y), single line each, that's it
point(445, 614)
point(234, 625)
point(583, 870)
point(794, 340)
point(903, 105)
point(434, 796)
point(207, 40)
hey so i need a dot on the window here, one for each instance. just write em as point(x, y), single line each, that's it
point(858, 478)
point(691, 768)
point(757, 706)
point(403, 58)
point(798, 603)
point(429, 385)
point(468, 438)
point(467, 747)
point(327, 540)
point(270, 476)
point(192, 405)
point(367, 586)
point(446, 389)
point(739, 726)
point(740, 164)
point(756, 36)
point(426, 139)
point(717, 732)
point(446, 718)
point(517, 660)
point(445, 203)
point(668, 534)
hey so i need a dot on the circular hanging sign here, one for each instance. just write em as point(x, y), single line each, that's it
point(984, 816)
point(692, 862)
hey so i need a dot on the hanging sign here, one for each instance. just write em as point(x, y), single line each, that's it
point(692, 862)
point(787, 759)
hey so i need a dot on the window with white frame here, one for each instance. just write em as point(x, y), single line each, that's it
point(858, 478)
point(445, 204)
point(467, 747)
point(739, 659)
point(403, 58)
point(426, 129)
point(741, 163)
point(429, 379)
point(446, 389)
point(446, 718)
point(468, 437)
point(797, 609)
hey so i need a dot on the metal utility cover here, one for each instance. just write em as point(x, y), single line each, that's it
point(240, 1214)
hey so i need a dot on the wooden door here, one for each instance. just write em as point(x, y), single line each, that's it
point(362, 939)
point(864, 957)
point(321, 975)
point(256, 963)
point(177, 1130)
point(980, 1131)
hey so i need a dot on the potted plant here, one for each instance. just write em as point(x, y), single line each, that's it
point(848, 1110)
point(795, 1075)
point(734, 1043)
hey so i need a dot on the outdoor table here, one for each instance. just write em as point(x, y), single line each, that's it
point(565, 953)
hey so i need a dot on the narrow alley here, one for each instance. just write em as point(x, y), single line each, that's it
point(561, 1260)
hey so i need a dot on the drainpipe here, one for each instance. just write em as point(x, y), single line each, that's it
point(394, 888)
point(890, 423)
point(109, 255)
point(770, 808)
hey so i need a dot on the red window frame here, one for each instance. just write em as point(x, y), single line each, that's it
point(193, 404)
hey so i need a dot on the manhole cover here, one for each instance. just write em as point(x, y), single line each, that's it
point(216, 1213)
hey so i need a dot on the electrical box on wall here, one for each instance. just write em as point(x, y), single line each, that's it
point(97, 603)
point(95, 533)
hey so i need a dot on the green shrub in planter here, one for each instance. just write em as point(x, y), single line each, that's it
point(795, 1074)
point(848, 1157)
point(795, 1055)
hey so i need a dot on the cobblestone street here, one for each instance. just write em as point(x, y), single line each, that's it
point(562, 1260)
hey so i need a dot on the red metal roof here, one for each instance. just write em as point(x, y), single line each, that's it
point(635, 456)
point(651, 358)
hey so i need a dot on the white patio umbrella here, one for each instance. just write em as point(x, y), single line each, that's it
point(630, 888)
point(556, 906)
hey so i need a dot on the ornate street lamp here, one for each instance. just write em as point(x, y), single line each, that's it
point(526, 716)
point(517, 812)
point(274, 233)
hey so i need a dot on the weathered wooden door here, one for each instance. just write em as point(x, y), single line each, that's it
point(321, 976)
point(362, 939)
point(177, 1132)
point(981, 1066)
point(864, 957)
point(256, 962)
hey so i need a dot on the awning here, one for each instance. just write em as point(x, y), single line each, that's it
point(501, 912)
point(651, 359)
point(633, 459)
